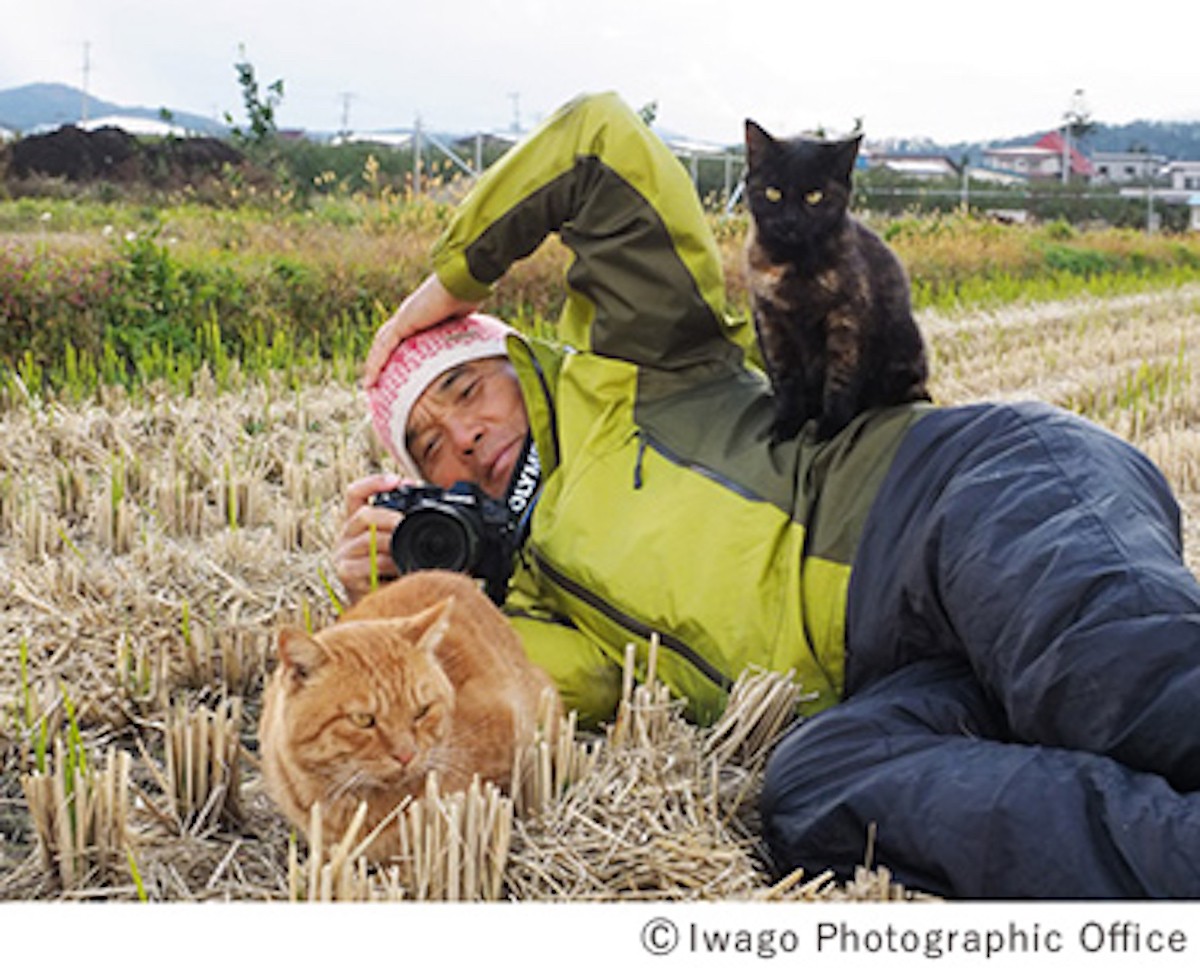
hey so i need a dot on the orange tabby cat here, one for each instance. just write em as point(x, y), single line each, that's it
point(423, 674)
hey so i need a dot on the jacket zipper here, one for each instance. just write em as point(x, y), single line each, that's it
point(636, 627)
point(645, 441)
point(641, 457)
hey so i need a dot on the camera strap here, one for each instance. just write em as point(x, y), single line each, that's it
point(523, 491)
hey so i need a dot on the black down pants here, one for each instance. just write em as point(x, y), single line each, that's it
point(1023, 675)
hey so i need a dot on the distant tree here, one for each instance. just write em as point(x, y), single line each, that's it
point(260, 110)
point(1078, 118)
point(649, 112)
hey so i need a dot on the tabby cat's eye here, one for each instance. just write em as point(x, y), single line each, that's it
point(362, 719)
point(813, 197)
point(772, 194)
point(421, 712)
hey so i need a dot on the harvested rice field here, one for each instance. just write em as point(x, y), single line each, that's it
point(151, 543)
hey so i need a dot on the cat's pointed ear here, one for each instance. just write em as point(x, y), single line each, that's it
point(757, 142)
point(300, 653)
point(431, 624)
point(847, 154)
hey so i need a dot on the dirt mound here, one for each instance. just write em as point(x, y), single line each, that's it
point(113, 155)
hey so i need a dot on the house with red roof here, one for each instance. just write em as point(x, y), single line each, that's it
point(1042, 160)
point(1080, 166)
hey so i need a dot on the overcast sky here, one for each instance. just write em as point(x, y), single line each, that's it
point(944, 69)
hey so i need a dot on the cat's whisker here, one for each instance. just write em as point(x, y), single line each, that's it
point(358, 779)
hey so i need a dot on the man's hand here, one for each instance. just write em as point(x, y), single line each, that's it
point(352, 549)
point(428, 305)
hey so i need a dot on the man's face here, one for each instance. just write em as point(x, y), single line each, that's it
point(469, 424)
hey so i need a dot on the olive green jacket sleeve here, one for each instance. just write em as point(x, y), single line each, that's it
point(645, 284)
point(587, 677)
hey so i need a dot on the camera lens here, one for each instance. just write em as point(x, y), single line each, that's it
point(433, 539)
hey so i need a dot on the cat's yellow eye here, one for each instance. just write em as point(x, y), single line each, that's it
point(773, 194)
point(421, 712)
point(813, 197)
point(361, 719)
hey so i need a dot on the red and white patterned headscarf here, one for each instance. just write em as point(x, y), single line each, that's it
point(414, 365)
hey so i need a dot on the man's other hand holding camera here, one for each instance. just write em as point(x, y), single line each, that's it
point(352, 551)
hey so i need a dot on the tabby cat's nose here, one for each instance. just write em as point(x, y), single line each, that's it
point(403, 754)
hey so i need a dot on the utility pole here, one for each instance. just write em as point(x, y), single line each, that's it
point(417, 156)
point(1076, 118)
point(515, 97)
point(87, 70)
point(347, 97)
point(1149, 193)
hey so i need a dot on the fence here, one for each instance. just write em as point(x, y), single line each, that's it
point(718, 179)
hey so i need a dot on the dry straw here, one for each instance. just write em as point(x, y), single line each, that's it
point(453, 847)
point(650, 820)
point(203, 765)
point(81, 814)
point(121, 513)
point(555, 760)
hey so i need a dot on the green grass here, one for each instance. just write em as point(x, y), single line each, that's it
point(103, 293)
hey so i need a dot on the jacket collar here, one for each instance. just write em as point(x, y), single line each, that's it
point(537, 363)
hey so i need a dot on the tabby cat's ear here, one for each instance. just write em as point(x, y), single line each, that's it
point(299, 652)
point(758, 142)
point(431, 624)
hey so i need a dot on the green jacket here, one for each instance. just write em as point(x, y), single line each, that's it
point(664, 509)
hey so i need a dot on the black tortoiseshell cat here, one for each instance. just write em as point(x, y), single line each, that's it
point(830, 300)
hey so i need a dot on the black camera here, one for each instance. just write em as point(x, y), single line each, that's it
point(460, 528)
point(463, 528)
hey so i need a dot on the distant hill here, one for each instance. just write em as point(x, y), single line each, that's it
point(29, 106)
point(32, 105)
